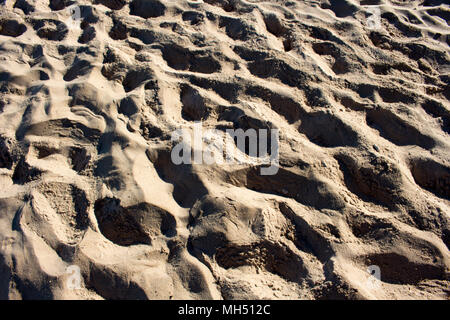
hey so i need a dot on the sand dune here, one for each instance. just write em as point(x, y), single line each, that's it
point(91, 92)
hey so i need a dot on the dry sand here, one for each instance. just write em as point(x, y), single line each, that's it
point(86, 178)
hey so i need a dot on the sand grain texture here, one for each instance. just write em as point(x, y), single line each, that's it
point(87, 109)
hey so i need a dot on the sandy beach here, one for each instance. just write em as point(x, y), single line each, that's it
point(348, 102)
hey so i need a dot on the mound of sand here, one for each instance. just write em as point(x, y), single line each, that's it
point(91, 91)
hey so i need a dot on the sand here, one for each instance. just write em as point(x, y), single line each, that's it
point(93, 207)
